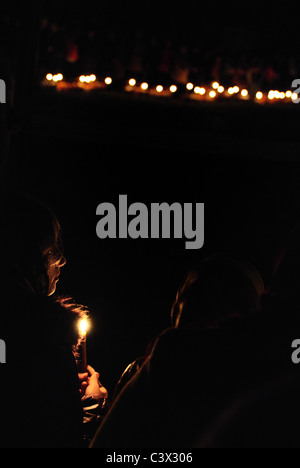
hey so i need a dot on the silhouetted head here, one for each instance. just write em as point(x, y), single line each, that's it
point(222, 286)
point(30, 243)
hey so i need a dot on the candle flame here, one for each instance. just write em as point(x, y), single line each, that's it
point(83, 326)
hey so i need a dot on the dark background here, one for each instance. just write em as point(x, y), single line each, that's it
point(75, 150)
point(80, 151)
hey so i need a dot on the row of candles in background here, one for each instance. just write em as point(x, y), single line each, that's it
point(209, 93)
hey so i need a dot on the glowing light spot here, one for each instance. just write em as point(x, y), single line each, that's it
point(49, 76)
point(215, 85)
point(259, 95)
point(221, 89)
point(83, 326)
point(159, 89)
point(289, 94)
point(271, 95)
point(144, 86)
point(244, 92)
point(93, 77)
point(212, 94)
point(189, 86)
point(132, 82)
point(173, 88)
point(199, 90)
point(108, 80)
point(82, 79)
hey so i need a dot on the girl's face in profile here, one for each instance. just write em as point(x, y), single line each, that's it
point(54, 260)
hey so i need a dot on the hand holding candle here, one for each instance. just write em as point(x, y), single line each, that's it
point(90, 386)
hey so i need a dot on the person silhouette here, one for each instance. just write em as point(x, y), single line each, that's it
point(44, 398)
point(193, 366)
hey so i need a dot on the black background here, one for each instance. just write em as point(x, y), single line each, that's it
point(77, 150)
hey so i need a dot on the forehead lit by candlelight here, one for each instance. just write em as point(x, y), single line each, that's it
point(83, 326)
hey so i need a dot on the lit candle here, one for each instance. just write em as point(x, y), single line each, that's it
point(83, 325)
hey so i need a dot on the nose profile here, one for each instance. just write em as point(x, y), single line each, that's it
point(62, 262)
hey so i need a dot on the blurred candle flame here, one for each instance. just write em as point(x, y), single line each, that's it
point(83, 326)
